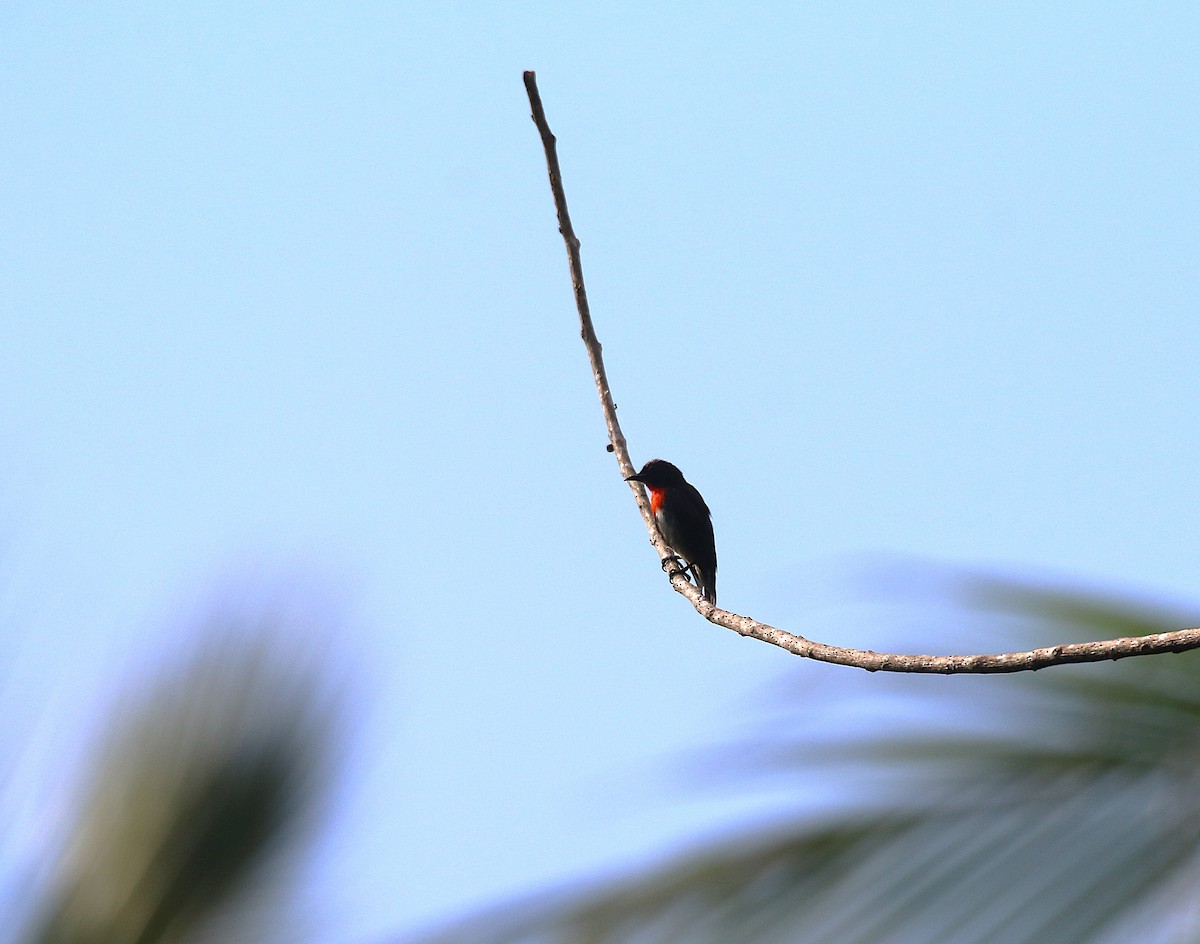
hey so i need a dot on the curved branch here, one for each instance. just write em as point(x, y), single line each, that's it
point(1178, 641)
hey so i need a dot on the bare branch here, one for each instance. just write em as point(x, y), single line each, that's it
point(1178, 641)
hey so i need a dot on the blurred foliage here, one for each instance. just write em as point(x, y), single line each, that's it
point(196, 793)
point(1061, 806)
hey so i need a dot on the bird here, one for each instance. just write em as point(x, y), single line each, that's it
point(683, 520)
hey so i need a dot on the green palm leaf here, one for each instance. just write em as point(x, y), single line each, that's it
point(1066, 809)
point(196, 792)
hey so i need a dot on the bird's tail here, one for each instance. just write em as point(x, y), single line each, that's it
point(706, 580)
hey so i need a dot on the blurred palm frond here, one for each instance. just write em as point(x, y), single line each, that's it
point(199, 788)
point(1065, 809)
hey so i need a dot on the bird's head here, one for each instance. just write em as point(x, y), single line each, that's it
point(658, 474)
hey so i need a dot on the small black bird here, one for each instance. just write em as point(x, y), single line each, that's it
point(683, 520)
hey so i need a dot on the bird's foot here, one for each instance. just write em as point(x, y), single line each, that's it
point(677, 566)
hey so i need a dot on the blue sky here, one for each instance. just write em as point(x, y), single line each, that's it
point(284, 304)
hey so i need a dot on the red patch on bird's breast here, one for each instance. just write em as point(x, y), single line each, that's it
point(656, 499)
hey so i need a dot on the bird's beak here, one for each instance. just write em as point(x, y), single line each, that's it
point(633, 478)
